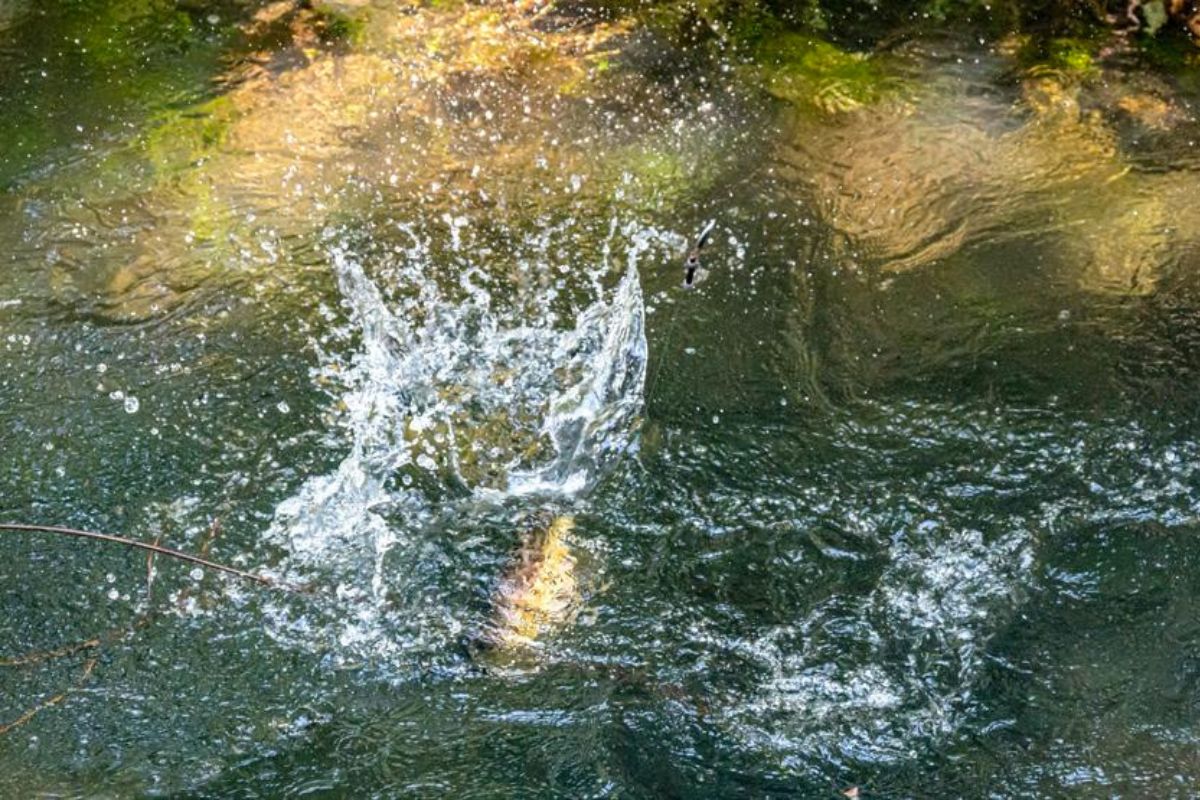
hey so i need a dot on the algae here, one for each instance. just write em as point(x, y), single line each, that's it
point(814, 74)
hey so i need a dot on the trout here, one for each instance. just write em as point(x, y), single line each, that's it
point(538, 591)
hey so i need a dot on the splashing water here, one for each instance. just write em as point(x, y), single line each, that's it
point(463, 401)
point(834, 683)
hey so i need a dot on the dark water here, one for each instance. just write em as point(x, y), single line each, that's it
point(902, 497)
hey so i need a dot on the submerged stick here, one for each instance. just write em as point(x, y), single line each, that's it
point(53, 701)
point(38, 657)
point(153, 548)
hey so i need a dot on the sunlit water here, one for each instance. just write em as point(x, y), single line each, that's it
point(903, 496)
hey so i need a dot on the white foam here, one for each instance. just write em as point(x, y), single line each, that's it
point(911, 652)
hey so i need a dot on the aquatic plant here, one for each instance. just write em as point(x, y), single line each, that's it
point(809, 72)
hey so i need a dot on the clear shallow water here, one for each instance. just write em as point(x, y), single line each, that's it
point(902, 497)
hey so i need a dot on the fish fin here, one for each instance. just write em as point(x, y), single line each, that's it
point(705, 234)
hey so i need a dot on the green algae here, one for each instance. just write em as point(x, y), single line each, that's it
point(814, 74)
point(1071, 55)
point(116, 36)
point(131, 59)
point(334, 26)
point(179, 139)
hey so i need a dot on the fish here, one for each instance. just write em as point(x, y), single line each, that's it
point(692, 273)
point(538, 592)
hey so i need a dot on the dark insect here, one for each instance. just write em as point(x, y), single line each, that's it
point(692, 273)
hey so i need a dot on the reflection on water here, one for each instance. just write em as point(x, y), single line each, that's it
point(901, 497)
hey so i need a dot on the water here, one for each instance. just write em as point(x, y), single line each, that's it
point(901, 497)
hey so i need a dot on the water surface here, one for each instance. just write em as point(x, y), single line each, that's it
point(901, 497)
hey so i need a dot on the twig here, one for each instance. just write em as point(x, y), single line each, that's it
point(1131, 13)
point(46, 655)
point(153, 548)
point(53, 701)
point(94, 643)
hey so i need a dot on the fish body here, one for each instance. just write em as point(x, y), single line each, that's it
point(692, 271)
point(538, 592)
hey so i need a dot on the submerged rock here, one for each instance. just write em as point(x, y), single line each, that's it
point(812, 73)
point(908, 182)
point(328, 108)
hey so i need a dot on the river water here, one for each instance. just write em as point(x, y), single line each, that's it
point(901, 497)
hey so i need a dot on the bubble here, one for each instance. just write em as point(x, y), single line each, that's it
point(132, 404)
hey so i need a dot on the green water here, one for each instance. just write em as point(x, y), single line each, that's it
point(902, 497)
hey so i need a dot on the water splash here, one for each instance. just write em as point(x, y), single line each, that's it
point(864, 680)
point(451, 395)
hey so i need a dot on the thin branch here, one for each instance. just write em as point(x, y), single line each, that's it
point(96, 642)
point(46, 655)
point(153, 548)
point(53, 701)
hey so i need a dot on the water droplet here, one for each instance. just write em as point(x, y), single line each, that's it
point(283, 407)
point(132, 405)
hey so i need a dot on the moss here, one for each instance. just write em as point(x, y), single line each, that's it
point(337, 27)
point(812, 73)
point(118, 33)
point(125, 59)
point(180, 138)
point(1071, 55)
point(1170, 50)
point(650, 179)
point(1066, 60)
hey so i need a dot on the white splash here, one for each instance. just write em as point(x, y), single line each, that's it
point(453, 397)
point(831, 684)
